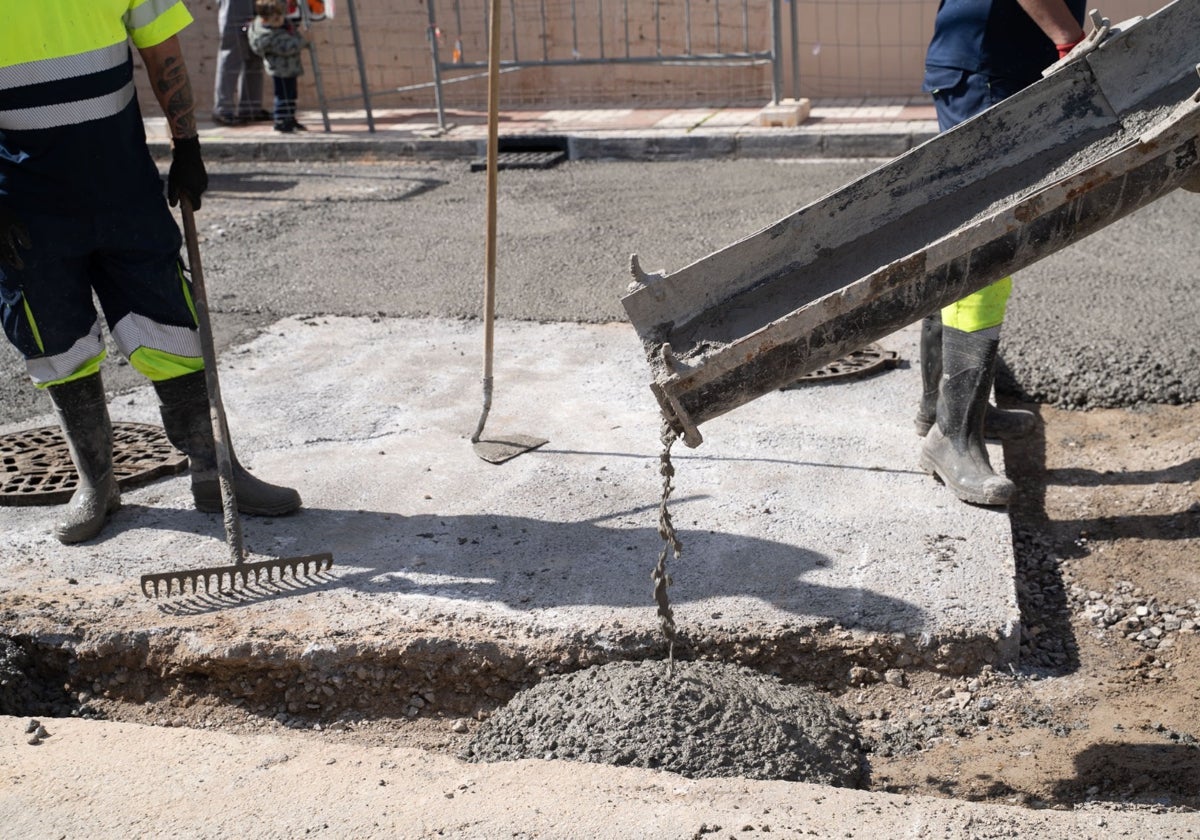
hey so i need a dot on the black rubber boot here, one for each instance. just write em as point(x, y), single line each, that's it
point(998, 423)
point(188, 424)
point(954, 450)
point(82, 411)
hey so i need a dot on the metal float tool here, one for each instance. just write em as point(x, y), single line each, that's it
point(498, 448)
point(241, 572)
point(1105, 132)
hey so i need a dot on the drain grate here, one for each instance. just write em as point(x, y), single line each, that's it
point(521, 160)
point(36, 468)
point(859, 363)
point(525, 152)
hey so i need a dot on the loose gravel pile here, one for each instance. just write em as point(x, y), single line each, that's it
point(1140, 618)
point(707, 720)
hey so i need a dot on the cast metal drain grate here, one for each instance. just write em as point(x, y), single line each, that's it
point(36, 468)
point(522, 160)
point(859, 363)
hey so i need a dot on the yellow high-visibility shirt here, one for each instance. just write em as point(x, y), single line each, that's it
point(71, 133)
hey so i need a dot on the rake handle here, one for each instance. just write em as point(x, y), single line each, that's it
point(216, 409)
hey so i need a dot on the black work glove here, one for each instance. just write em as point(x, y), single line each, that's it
point(13, 235)
point(187, 175)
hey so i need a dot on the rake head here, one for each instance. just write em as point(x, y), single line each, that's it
point(216, 578)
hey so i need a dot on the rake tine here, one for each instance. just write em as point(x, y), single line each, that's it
point(239, 575)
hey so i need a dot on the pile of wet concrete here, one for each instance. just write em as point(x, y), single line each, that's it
point(697, 719)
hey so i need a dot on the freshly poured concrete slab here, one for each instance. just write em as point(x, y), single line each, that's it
point(811, 540)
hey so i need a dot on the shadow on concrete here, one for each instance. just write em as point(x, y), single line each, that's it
point(533, 564)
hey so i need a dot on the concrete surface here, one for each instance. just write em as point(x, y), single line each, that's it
point(220, 785)
point(804, 520)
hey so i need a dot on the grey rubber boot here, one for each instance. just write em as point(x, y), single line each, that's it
point(954, 450)
point(998, 423)
point(186, 420)
point(82, 410)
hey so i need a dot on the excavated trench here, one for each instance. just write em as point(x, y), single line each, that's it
point(732, 706)
point(695, 718)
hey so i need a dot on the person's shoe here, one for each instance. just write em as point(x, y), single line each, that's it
point(954, 450)
point(285, 127)
point(298, 126)
point(998, 423)
point(82, 411)
point(261, 116)
point(226, 119)
point(188, 424)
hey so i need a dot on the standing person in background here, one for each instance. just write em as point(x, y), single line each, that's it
point(82, 214)
point(982, 52)
point(275, 38)
point(238, 92)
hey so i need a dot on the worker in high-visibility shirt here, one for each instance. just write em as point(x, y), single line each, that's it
point(982, 51)
point(81, 211)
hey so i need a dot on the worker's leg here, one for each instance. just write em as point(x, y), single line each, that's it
point(954, 450)
point(957, 96)
point(48, 316)
point(998, 423)
point(188, 423)
point(82, 410)
point(148, 303)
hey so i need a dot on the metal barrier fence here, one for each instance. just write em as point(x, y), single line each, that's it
point(575, 33)
point(631, 53)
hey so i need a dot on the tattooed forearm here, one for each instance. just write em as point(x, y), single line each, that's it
point(175, 92)
point(172, 87)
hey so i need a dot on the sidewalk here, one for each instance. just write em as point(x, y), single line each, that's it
point(834, 129)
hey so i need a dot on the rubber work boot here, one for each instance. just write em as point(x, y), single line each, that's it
point(188, 424)
point(82, 411)
point(998, 423)
point(954, 450)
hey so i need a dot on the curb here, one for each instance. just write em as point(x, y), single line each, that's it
point(863, 141)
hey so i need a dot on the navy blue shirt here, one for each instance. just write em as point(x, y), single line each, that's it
point(993, 37)
point(94, 167)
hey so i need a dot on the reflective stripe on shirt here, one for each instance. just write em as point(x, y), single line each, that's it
point(66, 67)
point(67, 113)
point(154, 21)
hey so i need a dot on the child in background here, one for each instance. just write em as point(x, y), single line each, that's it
point(274, 38)
point(315, 10)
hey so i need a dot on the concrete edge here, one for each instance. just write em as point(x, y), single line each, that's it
point(863, 141)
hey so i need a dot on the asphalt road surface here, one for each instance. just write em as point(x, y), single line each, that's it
point(1108, 322)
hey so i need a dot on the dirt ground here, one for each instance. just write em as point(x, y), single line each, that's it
point(1104, 707)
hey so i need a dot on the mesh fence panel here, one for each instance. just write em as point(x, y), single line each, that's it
point(654, 52)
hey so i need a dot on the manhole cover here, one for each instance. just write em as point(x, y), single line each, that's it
point(522, 160)
point(37, 468)
point(859, 363)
